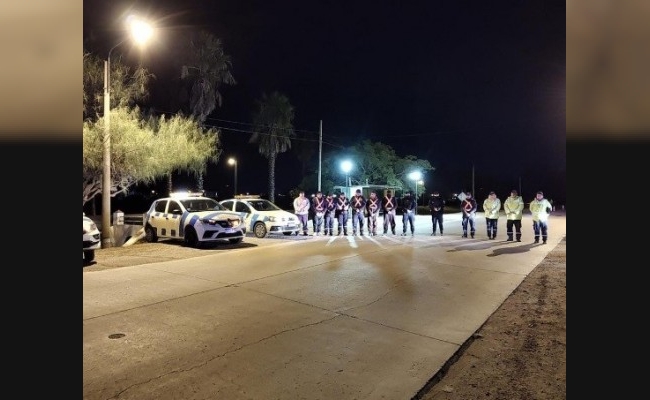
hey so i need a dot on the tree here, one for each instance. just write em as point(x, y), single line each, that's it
point(206, 68)
point(127, 85)
point(143, 150)
point(273, 125)
point(374, 163)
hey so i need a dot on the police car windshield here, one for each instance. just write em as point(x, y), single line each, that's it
point(263, 205)
point(193, 205)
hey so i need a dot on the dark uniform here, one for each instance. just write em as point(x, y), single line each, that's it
point(408, 216)
point(318, 204)
point(330, 210)
point(437, 208)
point(468, 208)
point(358, 203)
point(390, 205)
point(373, 205)
point(342, 206)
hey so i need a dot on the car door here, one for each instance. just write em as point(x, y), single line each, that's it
point(172, 221)
point(245, 211)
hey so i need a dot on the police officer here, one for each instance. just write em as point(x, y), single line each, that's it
point(330, 210)
point(468, 208)
point(342, 206)
point(358, 203)
point(540, 208)
point(389, 204)
point(318, 204)
point(437, 208)
point(513, 207)
point(408, 213)
point(491, 208)
point(373, 205)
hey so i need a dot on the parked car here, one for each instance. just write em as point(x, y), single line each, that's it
point(91, 238)
point(263, 217)
point(193, 218)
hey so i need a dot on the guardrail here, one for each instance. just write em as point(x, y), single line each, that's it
point(134, 219)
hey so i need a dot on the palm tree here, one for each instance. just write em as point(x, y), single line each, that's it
point(273, 124)
point(207, 68)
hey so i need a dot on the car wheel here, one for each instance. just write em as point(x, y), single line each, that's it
point(191, 239)
point(89, 256)
point(260, 230)
point(235, 241)
point(150, 234)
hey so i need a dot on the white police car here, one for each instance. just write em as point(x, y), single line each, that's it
point(263, 217)
point(193, 218)
point(91, 238)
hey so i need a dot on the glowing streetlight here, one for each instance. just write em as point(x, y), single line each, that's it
point(233, 161)
point(346, 167)
point(416, 176)
point(140, 31)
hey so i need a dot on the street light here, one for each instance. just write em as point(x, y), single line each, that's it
point(346, 167)
point(416, 176)
point(233, 161)
point(140, 31)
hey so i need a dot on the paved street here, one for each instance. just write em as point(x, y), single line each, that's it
point(286, 318)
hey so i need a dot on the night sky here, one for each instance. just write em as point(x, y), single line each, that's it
point(464, 84)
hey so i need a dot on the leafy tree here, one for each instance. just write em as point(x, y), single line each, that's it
point(374, 163)
point(273, 125)
point(127, 85)
point(143, 150)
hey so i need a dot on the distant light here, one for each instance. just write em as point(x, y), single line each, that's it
point(415, 175)
point(346, 166)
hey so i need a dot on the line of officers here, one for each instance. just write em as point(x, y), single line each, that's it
point(363, 211)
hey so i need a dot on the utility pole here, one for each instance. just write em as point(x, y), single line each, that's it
point(473, 191)
point(320, 152)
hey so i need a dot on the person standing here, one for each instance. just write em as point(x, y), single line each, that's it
point(301, 209)
point(468, 207)
point(389, 204)
point(408, 213)
point(358, 203)
point(491, 208)
point(514, 208)
point(437, 208)
point(330, 210)
point(318, 204)
point(373, 206)
point(540, 208)
point(342, 205)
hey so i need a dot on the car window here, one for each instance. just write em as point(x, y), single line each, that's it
point(242, 207)
point(160, 206)
point(199, 204)
point(174, 207)
point(266, 205)
point(227, 204)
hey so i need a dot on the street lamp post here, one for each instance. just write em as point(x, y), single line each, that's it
point(141, 32)
point(233, 161)
point(416, 176)
point(421, 183)
point(346, 167)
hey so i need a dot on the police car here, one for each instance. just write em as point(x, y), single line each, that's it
point(263, 217)
point(193, 218)
point(91, 238)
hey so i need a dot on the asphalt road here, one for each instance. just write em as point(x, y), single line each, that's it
point(287, 318)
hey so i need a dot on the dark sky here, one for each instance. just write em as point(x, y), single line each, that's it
point(460, 83)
